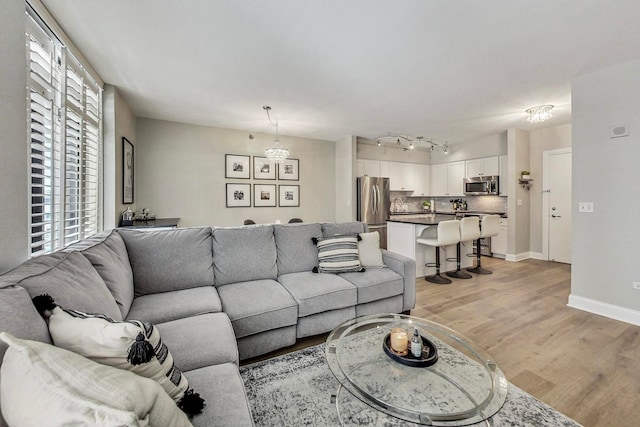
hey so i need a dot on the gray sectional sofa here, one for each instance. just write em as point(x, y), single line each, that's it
point(217, 295)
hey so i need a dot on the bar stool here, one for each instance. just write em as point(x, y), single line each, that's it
point(469, 230)
point(448, 233)
point(489, 226)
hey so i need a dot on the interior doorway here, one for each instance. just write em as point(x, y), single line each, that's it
point(556, 205)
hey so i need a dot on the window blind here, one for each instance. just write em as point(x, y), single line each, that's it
point(65, 141)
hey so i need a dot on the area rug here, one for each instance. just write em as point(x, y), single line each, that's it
point(298, 389)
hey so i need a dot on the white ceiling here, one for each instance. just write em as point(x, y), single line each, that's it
point(448, 70)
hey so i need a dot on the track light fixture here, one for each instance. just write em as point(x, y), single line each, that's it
point(411, 142)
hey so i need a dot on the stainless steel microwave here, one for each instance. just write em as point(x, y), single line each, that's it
point(481, 186)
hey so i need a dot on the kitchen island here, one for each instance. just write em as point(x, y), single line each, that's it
point(402, 232)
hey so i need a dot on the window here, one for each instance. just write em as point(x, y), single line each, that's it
point(65, 138)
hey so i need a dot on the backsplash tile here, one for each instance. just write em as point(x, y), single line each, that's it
point(474, 203)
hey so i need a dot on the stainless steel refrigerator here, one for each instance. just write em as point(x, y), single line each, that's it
point(374, 199)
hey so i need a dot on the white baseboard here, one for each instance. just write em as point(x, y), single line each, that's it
point(537, 255)
point(518, 257)
point(605, 309)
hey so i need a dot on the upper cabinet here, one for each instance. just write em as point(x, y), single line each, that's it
point(401, 176)
point(446, 179)
point(421, 180)
point(377, 168)
point(483, 167)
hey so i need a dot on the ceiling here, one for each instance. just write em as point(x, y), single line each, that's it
point(448, 70)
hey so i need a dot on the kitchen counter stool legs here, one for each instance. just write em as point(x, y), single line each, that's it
point(448, 233)
point(489, 226)
point(469, 230)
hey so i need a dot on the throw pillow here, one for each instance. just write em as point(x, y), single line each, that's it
point(369, 250)
point(132, 345)
point(337, 254)
point(47, 386)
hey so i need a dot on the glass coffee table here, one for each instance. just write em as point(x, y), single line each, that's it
point(464, 386)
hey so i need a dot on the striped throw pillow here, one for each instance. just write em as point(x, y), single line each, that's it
point(338, 254)
point(132, 345)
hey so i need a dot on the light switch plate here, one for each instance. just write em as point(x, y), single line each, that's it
point(585, 206)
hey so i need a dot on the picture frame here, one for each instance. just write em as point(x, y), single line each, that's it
point(264, 195)
point(237, 166)
point(128, 171)
point(288, 195)
point(289, 170)
point(263, 169)
point(238, 195)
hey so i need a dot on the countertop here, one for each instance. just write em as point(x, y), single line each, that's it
point(461, 213)
point(158, 222)
point(421, 219)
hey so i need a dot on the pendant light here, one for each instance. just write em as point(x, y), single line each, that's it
point(276, 154)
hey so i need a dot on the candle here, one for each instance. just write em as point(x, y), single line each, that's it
point(399, 340)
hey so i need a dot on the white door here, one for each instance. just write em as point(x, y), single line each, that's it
point(557, 209)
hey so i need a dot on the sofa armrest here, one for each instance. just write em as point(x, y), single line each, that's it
point(406, 267)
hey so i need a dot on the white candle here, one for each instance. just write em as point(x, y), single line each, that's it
point(399, 340)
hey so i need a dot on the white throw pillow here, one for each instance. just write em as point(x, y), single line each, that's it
point(369, 250)
point(132, 345)
point(337, 254)
point(43, 385)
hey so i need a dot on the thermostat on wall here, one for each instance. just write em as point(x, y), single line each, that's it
point(617, 131)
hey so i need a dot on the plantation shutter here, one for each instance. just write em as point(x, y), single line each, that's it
point(66, 145)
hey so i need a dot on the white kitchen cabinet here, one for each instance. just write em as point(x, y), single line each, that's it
point(446, 179)
point(401, 176)
point(359, 168)
point(438, 181)
point(499, 242)
point(421, 180)
point(504, 181)
point(371, 167)
point(384, 169)
point(455, 177)
point(483, 167)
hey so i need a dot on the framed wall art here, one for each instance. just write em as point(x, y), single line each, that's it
point(288, 195)
point(237, 167)
point(264, 195)
point(289, 170)
point(262, 169)
point(127, 171)
point(238, 195)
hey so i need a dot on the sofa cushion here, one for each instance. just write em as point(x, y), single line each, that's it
point(200, 341)
point(338, 254)
point(73, 282)
point(169, 260)
point(167, 306)
point(258, 306)
point(111, 261)
point(45, 385)
point(318, 292)
point(224, 392)
point(31, 267)
point(335, 228)
point(244, 253)
point(296, 251)
point(19, 317)
point(375, 284)
point(369, 250)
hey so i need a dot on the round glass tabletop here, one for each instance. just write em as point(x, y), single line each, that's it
point(464, 386)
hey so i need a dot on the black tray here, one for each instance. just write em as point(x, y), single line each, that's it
point(428, 358)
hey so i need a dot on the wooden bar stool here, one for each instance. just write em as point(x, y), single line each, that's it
point(448, 233)
point(469, 230)
point(489, 226)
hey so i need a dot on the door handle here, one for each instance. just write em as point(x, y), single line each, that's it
point(556, 216)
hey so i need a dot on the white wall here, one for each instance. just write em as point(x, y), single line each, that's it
point(518, 197)
point(606, 172)
point(492, 145)
point(13, 122)
point(345, 189)
point(544, 139)
point(368, 149)
point(119, 122)
point(180, 173)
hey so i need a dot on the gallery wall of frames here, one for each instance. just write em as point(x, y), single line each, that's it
point(261, 194)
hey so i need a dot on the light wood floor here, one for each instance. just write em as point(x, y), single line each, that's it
point(584, 365)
